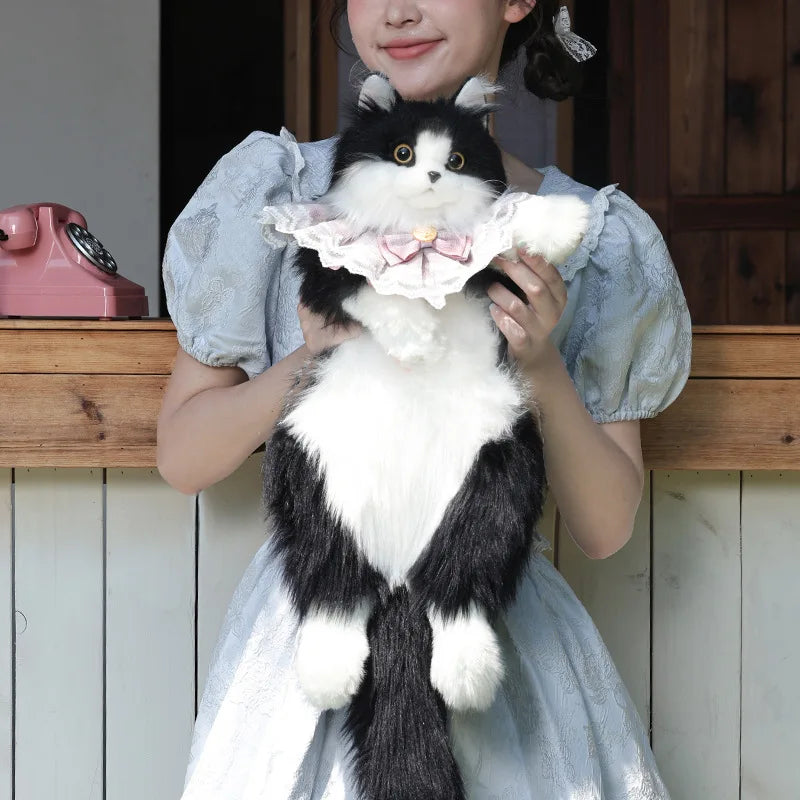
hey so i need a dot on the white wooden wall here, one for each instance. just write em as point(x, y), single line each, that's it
point(113, 587)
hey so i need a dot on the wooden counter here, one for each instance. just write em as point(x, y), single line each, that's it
point(87, 394)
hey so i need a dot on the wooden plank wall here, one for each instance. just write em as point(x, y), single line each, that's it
point(715, 135)
point(118, 586)
point(310, 70)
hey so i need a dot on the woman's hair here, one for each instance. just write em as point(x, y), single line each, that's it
point(550, 71)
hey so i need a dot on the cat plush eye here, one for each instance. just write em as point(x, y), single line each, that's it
point(403, 154)
point(456, 160)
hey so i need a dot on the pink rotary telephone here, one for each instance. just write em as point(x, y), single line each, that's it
point(51, 266)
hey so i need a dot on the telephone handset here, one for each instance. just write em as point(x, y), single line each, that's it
point(20, 229)
point(51, 266)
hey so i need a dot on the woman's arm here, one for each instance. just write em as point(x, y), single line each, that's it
point(213, 418)
point(595, 471)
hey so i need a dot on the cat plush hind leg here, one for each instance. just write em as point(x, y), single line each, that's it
point(470, 570)
point(331, 584)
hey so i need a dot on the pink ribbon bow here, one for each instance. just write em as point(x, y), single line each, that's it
point(402, 248)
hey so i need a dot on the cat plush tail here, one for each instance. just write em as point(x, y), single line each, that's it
point(397, 721)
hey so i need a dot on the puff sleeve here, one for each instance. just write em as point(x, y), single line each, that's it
point(217, 267)
point(628, 347)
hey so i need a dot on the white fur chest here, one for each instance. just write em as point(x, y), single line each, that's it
point(395, 441)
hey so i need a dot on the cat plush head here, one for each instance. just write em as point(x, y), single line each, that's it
point(404, 163)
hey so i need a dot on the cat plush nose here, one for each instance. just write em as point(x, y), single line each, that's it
point(434, 176)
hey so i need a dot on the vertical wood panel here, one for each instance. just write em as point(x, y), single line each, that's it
point(326, 74)
point(700, 261)
point(651, 103)
point(793, 279)
point(616, 593)
point(231, 531)
point(59, 664)
point(6, 640)
point(757, 275)
point(697, 94)
point(150, 650)
point(297, 67)
point(792, 182)
point(770, 642)
point(755, 131)
point(696, 632)
point(620, 93)
point(792, 179)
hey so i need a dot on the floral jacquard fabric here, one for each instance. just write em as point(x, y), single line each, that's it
point(625, 334)
point(563, 726)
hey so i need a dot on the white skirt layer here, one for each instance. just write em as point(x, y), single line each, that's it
point(562, 727)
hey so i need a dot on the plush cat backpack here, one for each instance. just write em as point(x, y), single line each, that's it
point(405, 475)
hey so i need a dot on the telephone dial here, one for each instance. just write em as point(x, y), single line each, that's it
point(51, 266)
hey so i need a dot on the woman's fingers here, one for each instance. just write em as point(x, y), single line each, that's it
point(510, 304)
point(319, 335)
point(548, 273)
point(536, 277)
point(525, 277)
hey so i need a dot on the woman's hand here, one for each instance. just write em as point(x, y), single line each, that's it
point(527, 326)
point(320, 336)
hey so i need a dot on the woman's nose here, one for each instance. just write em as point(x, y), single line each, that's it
point(402, 12)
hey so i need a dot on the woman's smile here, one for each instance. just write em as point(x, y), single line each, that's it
point(406, 49)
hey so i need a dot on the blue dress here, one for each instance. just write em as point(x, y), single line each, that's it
point(563, 726)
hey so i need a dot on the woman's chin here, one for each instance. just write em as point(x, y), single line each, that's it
point(413, 83)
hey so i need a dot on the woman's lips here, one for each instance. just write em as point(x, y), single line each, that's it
point(403, 51)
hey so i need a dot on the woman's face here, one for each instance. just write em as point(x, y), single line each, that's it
point(428, 48)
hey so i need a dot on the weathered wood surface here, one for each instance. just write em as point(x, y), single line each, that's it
point(728, 416)
point(150, 634)
point(720, 119)
point(696, 632)
point(58, 595)
point(770, 646)
point(6, 638)
point(115, 630)
point(730, 423)
point(79, 420)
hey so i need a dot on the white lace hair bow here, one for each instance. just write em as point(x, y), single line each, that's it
point(578, 48)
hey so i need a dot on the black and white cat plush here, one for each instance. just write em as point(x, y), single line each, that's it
point(405, 476)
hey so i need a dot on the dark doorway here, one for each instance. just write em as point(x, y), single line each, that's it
point(591, 164)
point(221, 79)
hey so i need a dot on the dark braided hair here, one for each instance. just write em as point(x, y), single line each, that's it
point(550, 71)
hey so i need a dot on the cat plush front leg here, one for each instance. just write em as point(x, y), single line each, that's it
point(408, 330)
point(551, 226)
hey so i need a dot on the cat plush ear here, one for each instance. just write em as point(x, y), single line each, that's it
point(474, 95)
point(376, 91)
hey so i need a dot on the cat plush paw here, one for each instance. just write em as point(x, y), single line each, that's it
point(330, 657)
point(407, 329)
point(550, 226)
point(466, 664)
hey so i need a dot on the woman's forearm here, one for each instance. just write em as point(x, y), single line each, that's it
point(594, 482)
point(212, 433)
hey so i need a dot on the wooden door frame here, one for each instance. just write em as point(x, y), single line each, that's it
point(310, 70)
